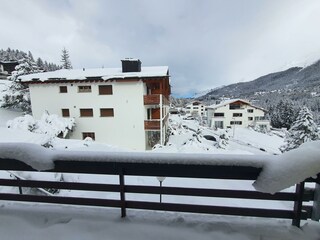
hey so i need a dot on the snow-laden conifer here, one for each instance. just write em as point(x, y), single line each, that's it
point(303, 130)
point(17, 94)
point(65, 59)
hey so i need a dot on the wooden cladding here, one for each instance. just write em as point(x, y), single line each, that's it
point(106, 112)
point(151, 125)
point(105, 90)
point(153, 99)
point(65, 112)
point(63, 89)
point(86, 112)
point(88, 134)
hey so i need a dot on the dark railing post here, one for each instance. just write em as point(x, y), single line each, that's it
point(316, 204)
point(20, 188)
point(122, 193)
point(297, 209)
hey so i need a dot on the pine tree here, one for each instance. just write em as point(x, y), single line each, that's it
point(283, 114)
point(303, 130)
point(65, 59)
point(17, 94)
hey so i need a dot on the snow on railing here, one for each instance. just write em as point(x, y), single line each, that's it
point(278, 172)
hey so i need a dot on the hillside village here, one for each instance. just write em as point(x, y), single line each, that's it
point(129, 110)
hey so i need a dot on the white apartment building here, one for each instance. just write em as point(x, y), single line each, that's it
point(126, 107)
point(236, 112)
point(196, 107)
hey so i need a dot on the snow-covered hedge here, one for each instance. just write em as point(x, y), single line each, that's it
point(51, 125)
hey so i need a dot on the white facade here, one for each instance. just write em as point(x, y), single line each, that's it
point(125, 127)
point(196, 107)
point(236, 113)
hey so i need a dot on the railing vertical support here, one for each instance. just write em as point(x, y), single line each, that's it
point(297, 209)
point(316, 204)
point(122, 193)
point(20, 188)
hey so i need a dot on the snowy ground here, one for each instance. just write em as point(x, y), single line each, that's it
point(36, 221)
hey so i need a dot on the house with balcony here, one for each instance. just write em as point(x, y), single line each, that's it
point(126, 107)
point(196, 108)
point(236, 112)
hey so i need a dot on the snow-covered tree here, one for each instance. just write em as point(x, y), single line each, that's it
point(223, 139)
point(303, 130)
point(65, 59)
point(283, 114)
point(17, 94)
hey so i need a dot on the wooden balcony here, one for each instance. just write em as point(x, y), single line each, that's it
point(152, 124)
point(153, 99)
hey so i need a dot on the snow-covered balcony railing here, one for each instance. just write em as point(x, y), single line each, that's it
point(269, 173)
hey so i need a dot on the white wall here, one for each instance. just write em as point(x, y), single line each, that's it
point(125, 129)
point(228, 116)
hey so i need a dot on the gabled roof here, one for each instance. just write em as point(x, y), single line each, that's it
point(103, 73)
point(227, 102)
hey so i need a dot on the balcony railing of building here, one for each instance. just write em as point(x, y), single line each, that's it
point(116, 165)
point(154, 99)
point(154, 124)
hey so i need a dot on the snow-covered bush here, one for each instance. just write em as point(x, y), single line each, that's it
point(223, 139)
point(52, 125)
point(303, 130)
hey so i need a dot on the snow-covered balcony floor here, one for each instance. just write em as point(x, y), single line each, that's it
point(51, 222)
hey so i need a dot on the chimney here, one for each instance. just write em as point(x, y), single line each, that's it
point(131, 65)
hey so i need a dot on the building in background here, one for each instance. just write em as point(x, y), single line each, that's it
point(236, 112)
point(196, 108)
point(6, 68)
point(126, 107)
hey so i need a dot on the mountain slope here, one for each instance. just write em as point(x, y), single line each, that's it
point(291, 80)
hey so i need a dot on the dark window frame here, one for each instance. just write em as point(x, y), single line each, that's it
point(105, 112)
point(105, 90)
point(237, 115)
point(84, 89)
point(89, 134)
point(63, 89)
point(85, 112)
point(65, 112)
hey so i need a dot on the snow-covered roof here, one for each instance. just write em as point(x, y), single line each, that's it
point(104, 73)
point(227, 102)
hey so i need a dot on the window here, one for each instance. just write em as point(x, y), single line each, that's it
point(237, 114)
point(105, 90)
point(106, 112)
point(250, 118)
point(236, 123)
point(234, 106)
point(88, 134)
point(218, 124)
point(65, 112)
point(259, 118)
point(84, 88)
point(63, 89)
point(86, 112)
point(250, 110)
point(219, 114)
point(195, 107)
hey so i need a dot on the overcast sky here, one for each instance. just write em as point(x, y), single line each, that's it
point(205, 43)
